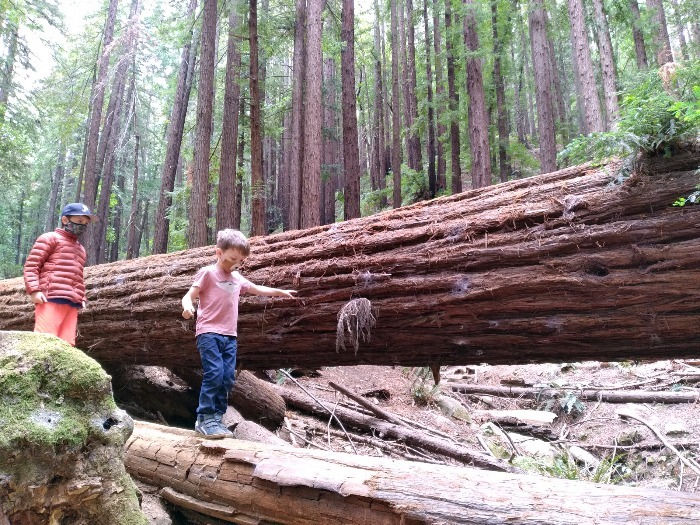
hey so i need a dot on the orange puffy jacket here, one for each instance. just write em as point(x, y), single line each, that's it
point(55, 267)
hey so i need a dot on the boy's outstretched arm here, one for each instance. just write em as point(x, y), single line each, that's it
point(266, 291)
point(188, 302)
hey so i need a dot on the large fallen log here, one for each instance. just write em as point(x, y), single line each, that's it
point(245, 482)
point(578, 264)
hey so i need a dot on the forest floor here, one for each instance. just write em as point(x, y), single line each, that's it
point(622, 451)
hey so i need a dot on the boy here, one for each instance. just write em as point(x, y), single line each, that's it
point(218, 287)
point(53, 274)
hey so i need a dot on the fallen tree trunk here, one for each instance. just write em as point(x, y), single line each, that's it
point(573, 265)
point(240, 481)
point(608, 396)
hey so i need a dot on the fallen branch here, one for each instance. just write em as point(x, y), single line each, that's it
point(408, 435)
point(369, 406)
point(632, 396)
point(687, 461)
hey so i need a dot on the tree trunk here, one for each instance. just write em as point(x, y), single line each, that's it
point(311, 173)
point(225, 208)
point(503, 128)
point(142, 232)
point(588, 100)
point(573, 260)
point(638, 36)
point(432, 177)
point(607, 65)
point(239, 175)
point(543, 89)
point(92, 139)
point(477, 115)
point(351, 155)
point(173, 138)
point(257, 181)
point(395, 108)
point(297, 134)
point(131, 246)
point(660, 32)
point(8, 73)
point(246, 482)
point(441, 178)
point(558, 92)
point(414, 158)
point(379, 110)
point(680, 29)
point(199, 198)
point(453, 104)
point(56, 183)
point(606, 396)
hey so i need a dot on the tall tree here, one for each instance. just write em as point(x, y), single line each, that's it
point(257, 182)
point(7, 71)
point(588, 95)
point(543, 90)
point(638, 36)
point(415, 157)
point(56, 183)
point(132, 248)
point(432, 176)
point(296, 146)
point(199, 197)
point(477, 114)
point(92, 139)
point(380, 164)
point(311, 181)
point(229, 134)
point(501, 108)
point(395, 108)
point(680, 29)
point(661, 40)
point(607, 65)
point(441, 181)
point(351, 155)
point(238, 204)
point(454, 102)
point(173, 137)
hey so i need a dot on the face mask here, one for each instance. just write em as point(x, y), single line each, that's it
point(75, 228)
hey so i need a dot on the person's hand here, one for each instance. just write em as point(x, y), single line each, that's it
point(38, 298)
point(286, 293)
point(188, 311)
point(84, 305)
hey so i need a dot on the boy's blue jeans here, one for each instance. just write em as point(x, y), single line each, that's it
point(218, 353)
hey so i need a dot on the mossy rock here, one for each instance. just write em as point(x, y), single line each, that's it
point(61, 437)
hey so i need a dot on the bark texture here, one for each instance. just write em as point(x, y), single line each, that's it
point(351, 154)
point(245, 482)
point(257, 181)
point(574, 265)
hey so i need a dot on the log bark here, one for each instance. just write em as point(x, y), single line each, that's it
point(607, 396)
point(241, 482)
point(573, 265)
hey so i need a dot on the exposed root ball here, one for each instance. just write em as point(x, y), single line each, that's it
point(355, 321)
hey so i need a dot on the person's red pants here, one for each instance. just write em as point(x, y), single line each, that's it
point(60, 320)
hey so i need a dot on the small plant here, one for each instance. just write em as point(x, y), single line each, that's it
point(422, 392)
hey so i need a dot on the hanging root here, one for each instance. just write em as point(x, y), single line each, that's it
point(355, 321)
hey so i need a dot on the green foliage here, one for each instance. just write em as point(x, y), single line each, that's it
point(655, 119)
point(569, 403)
point(422, 391)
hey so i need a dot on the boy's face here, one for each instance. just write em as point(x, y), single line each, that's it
point(230, 259)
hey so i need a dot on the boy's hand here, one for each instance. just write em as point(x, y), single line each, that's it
point(188, 313)
point(38, 298)
point(286, 293)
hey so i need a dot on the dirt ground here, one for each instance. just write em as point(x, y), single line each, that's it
point(623, 451)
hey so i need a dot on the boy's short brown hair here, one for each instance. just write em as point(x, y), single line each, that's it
point(230, 238)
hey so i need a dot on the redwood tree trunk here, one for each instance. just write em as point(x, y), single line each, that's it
point(661, 39)
point(543, 90)
point(638, 36)
point(415, 157)
point(173, 139)
point(453, 104)
point(225, 209)
point(572, 265)
point(311, 179)
point(297, 122)
point(503, 128)
point(351, 155)
point(477, 114)
point(432, 178)
point(248, 482)
point(395, 108)
point(588, 100)
point(439, 102)
point(607, 64)
point(257, 181)
point(199, 210)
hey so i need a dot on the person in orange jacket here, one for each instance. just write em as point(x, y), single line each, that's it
point(53, 274)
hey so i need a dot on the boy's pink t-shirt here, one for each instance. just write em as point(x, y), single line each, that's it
point(218, 300)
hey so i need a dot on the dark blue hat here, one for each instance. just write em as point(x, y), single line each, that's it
point(76, 208)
